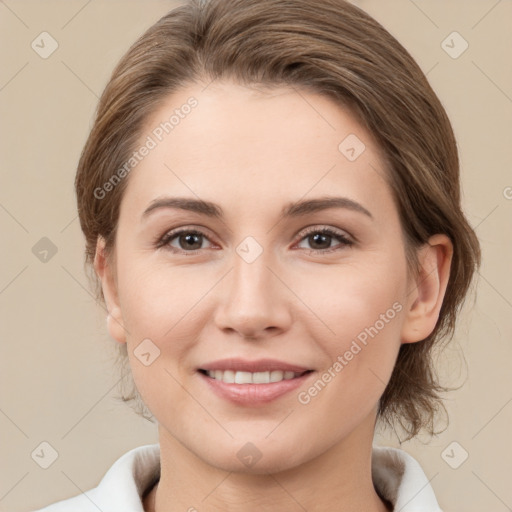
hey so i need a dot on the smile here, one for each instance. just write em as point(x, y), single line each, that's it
point(241, 377)
point(252, 383)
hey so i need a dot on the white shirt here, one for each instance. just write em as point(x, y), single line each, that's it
point(396, 475)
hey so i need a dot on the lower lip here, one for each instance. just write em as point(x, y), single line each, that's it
point(254, 394)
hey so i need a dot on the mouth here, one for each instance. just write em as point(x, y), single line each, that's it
point(252, 382)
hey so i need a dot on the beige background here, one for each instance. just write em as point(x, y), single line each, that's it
point(58, 384)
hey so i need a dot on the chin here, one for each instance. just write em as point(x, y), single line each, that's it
point(268, 463)
point(256, 456)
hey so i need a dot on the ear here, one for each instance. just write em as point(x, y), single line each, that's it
point(105, 271)
point(426, 297)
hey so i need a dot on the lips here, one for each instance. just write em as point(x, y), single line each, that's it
point(252, 382)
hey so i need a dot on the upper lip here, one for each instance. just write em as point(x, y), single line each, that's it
point(259, 365)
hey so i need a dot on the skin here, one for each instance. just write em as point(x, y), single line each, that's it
point(252, 152)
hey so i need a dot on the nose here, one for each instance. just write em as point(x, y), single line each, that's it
point(254, 302)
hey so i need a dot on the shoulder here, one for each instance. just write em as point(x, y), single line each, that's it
point(399, 478)
point(121, 488)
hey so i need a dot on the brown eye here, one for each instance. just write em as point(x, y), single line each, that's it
point(320, 240)
point(184, 240)
point(190, 241)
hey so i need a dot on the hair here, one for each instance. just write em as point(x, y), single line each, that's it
point(328, 47)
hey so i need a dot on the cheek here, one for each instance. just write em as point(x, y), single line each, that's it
point(350, 299)
point(361, 311)
point(360, 359)
point(158, 311)
point(157, 297)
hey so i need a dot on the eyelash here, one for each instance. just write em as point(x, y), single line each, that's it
point(344, 240)
point(165, 240)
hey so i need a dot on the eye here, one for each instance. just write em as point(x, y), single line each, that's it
point(320, 240)
point(183, 240)
point(190, 241)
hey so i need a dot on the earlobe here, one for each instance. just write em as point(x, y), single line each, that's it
point(103, 267)
point(426, 297)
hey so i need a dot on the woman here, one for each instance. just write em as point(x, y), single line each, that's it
point(271, 202)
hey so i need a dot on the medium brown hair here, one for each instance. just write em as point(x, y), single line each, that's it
point(329, 47)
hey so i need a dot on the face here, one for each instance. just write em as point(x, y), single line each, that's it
point(302, 303)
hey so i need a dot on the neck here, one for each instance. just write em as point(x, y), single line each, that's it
point(340, 478)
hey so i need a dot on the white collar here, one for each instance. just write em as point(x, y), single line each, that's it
point(396, 475)
point(400, 479)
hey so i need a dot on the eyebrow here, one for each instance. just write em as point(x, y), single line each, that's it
point(294, 209)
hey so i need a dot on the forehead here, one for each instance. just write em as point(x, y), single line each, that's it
point(228, 141)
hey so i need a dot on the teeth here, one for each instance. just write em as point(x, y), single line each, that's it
point(232, 377)
point(243, 378)
point(276, 376)
point(261, 377)
point(228, 376)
